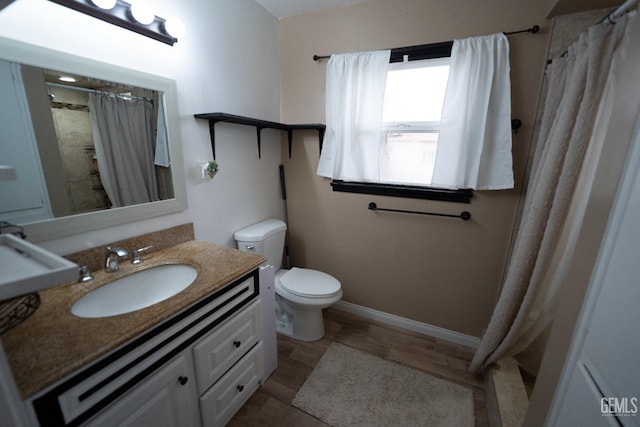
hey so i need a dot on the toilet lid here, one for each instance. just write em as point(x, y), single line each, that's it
point(309, 283)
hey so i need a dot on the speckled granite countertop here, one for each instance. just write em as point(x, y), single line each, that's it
point(53, 343)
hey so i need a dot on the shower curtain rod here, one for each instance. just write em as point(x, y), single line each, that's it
point(621, 10)
point(105, 92)
point(439, 49)
point(610, 18)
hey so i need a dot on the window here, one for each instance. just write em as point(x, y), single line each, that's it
point(426, 145)
point(413, 100)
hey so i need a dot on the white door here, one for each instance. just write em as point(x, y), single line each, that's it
point(600, 383)
point(25, 198)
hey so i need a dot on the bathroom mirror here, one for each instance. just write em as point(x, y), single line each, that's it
point(85, 168)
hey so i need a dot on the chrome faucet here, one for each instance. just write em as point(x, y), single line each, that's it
point(84, 274)
point(113, 254)
point(135, 254)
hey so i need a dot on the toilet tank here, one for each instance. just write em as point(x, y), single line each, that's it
point(265, 238)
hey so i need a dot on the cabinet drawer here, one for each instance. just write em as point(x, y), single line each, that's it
point(214, 354)
point(222, 400)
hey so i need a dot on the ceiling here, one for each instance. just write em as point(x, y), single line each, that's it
point(286, 8)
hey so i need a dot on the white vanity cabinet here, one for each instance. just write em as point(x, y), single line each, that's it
point(196, 368)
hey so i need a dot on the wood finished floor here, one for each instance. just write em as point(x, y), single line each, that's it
point(271, 404)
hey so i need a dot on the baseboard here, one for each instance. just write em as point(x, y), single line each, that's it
point(411, 325)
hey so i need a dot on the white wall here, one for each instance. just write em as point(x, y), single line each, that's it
point(227, 61)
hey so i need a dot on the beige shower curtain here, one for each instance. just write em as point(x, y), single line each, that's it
point(576, 100)
point(124, 139)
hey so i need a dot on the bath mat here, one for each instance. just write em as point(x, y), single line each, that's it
point(350, 388)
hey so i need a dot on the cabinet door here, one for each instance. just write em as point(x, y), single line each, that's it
point(167, 398)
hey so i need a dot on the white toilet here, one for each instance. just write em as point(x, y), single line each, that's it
point(301, 293)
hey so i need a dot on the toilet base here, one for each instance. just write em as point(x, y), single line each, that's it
point(302, 325)
point(284, 328)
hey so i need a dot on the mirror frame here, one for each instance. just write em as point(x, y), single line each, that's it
point(24, 53)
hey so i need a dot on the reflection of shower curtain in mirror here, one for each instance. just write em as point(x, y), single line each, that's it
point(124, 140)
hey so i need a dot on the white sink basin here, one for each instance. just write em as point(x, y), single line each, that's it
point(135, 291)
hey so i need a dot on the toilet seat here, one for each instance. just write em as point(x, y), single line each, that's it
point(309, 283)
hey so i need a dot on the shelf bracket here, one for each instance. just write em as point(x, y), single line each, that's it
point(259, 134)
point(290, 137)
point(212, 133)
point(321, 132)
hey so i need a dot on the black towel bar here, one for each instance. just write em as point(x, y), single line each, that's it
point(465, 216)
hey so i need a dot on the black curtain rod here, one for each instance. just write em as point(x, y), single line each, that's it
point(435, 50)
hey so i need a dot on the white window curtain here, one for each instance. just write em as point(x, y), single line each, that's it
point(354, 102)
point(474, 148)
point(123, 137)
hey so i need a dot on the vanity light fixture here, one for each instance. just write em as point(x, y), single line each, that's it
point(136, 16)
point(67, 79)
point(142, 12)
point(174, 26)
point(105, 4)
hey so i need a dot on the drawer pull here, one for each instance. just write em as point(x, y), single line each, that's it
point(240, 388)
point(236, 344)
point(183, 380)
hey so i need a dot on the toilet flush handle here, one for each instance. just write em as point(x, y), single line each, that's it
point(249, 247)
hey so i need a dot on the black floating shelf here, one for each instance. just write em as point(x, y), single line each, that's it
point(214, 118)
